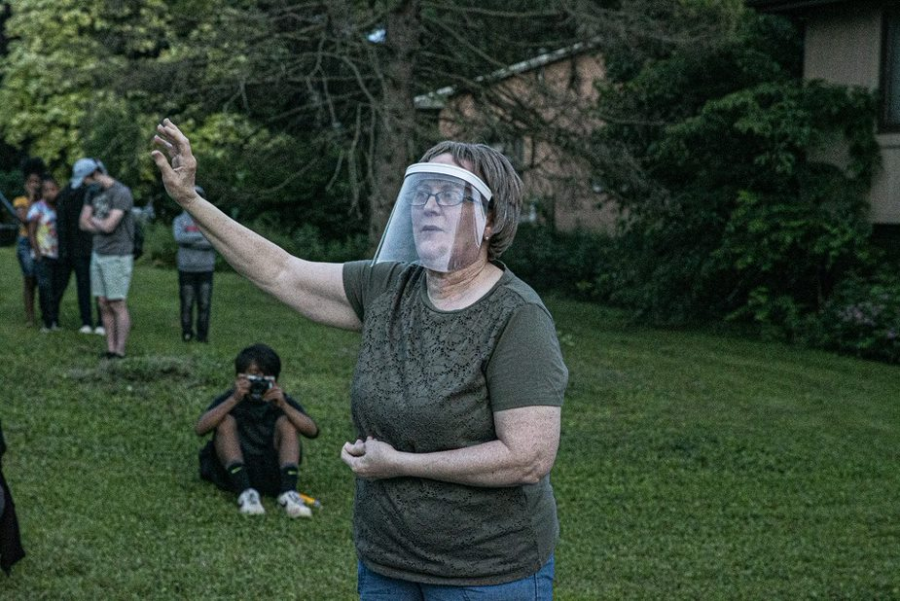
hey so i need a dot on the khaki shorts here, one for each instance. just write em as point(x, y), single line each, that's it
point(111, 275)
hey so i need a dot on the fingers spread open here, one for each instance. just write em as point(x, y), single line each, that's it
point(161, 162)
point(175, 136)
point(166, 145)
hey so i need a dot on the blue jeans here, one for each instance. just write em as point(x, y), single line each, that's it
point(23, 253)
point(375, 587)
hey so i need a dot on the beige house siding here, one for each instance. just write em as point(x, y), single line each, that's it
point(843, 44)
point(560, 92)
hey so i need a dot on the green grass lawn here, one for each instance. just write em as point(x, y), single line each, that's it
point(692, 465)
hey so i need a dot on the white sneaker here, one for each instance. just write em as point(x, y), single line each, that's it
point(85, 330)
point(100, 331)
point(249, 503)
point(293, 505)
point(45, 330)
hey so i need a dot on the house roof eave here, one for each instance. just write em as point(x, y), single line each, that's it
point(437, 99)
point(782, 6)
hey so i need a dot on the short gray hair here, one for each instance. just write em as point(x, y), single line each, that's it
point(500, 176)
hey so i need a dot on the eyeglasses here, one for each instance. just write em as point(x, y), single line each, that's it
point(445, 198)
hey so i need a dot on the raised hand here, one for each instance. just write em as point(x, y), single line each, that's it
point(179, 176)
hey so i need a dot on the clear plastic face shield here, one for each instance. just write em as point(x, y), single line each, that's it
point(438, 220)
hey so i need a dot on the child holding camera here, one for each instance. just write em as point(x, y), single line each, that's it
point(255, 446)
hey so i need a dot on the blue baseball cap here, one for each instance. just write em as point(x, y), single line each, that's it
point(83, 168)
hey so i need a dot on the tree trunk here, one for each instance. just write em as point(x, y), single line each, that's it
point(395, 141)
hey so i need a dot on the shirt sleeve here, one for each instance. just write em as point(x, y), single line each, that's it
point(526, 367)
point(220, 399)
point(364, 281)
point(293, 403)
point(122, 199)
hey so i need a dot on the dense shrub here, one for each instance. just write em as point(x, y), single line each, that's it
point(10, 186)
point(575, 263)
point(741, 215)
point(862, 318)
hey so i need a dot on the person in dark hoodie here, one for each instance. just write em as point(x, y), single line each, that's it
point(75, 248)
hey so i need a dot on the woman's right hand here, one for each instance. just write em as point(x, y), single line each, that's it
point(180, 176)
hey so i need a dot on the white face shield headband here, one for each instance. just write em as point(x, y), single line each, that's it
point(438, 220)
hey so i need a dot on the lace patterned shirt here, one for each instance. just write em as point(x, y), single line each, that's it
point(428, 380)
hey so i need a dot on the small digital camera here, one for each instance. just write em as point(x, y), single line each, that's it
point(259, 385)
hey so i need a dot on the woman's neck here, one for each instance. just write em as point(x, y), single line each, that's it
point(462, 288)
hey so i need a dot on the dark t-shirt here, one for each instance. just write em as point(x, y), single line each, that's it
point(256, 423)
point(428, 380)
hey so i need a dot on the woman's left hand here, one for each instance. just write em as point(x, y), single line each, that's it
point(180, 176)
point(371, 459)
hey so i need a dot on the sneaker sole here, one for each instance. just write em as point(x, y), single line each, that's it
point(253, 512)
point(298, 512)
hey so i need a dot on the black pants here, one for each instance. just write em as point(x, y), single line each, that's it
point(46, 271)
point(82, 268)
point(195, 289)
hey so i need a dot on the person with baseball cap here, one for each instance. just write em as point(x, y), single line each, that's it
point(108, 215)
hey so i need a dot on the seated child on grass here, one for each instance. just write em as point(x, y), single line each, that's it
point(255, 446)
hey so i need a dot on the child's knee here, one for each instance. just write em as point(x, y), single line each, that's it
point(284, 425)
point(285, 431)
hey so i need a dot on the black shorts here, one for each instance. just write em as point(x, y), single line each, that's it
point(264, 471)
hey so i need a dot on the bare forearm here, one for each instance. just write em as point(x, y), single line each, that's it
point(212, 418)
point(32, 238)
point(490, 464)
point(523, 453)
point(250, 254)
point(98, 226)
point(84, 222)
point(302, 423)
point(315, 290)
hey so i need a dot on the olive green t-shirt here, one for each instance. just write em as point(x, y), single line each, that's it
point(428, 380)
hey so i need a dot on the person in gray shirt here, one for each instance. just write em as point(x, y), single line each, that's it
point(196, 262)
point(108, 215)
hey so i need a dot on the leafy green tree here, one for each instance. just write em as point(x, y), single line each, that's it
point(732, 210)
point(93, 78)
point(57, 55)
point(338, 79)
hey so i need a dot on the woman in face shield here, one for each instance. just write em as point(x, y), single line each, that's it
point(458, 384)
